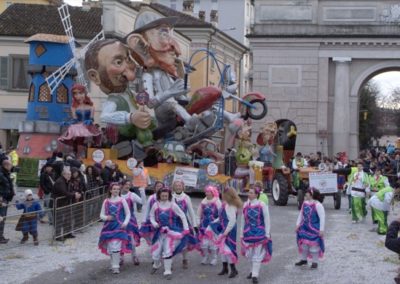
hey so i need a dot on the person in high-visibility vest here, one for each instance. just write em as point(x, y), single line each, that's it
point(297, 163)
point(262, 195)
point(140, 180)
point(14, 158)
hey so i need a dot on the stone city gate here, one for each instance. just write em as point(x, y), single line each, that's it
point(311, 57)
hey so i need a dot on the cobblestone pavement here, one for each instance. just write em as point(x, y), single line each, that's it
point(353, 255)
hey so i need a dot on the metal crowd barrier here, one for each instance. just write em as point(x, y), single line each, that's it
point(53, 221)
point(16, 223)
point(77, 215)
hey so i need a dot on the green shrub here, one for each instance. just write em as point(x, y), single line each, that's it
point(28, 173)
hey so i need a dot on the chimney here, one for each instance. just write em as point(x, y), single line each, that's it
point(214, 18)
point(87, 4)
point(56, 2)
point(188, 6)
point(202, 15)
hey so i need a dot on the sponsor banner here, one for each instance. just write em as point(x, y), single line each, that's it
point(324, 182)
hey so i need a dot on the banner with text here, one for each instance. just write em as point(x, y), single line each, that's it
point(324, 182)
point(187, 175)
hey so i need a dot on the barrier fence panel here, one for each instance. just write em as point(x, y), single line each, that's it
point(77, 215)
point(22, 228)
point(57, 218)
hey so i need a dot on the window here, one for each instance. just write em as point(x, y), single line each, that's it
point(173, 4)
point(40, 49)
point(44, 93)
point(3, 72)
point(20, 79)
point(179, 148)
point(31, 93)
point(62, 94)
point(211, 147)
point(248, 9)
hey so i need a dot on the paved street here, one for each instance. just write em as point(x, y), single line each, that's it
point(353, 255)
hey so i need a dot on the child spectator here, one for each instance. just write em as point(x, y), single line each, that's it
point(27, 223)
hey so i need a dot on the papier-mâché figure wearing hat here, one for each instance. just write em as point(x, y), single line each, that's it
point(154, 47)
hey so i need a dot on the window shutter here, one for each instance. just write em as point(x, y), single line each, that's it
point(4, 72)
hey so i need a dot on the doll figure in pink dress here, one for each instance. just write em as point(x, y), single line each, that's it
point(81, 126)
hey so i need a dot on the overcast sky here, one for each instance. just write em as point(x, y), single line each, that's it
point(387, 82)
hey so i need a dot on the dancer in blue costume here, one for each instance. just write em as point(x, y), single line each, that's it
point(255, 233)
point(223, 231)
point(146, 229)
point(208, 212)
point(133, 229)
point(184, 202)
point(114, 238)
point(310, 228)
point(169, 237)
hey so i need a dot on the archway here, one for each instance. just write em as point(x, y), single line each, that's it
point(360, 81)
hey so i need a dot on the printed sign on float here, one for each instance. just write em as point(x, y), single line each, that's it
point(187, 175)
point(41, 164)
point(324, 182)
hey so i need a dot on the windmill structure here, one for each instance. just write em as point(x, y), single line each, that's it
point(49, 98)
point(57, 76)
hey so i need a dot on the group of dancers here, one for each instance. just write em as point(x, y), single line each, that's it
point(373, 190)
point(170, 227)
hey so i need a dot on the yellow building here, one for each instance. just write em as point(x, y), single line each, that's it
point(119, 16)
point(5, 3)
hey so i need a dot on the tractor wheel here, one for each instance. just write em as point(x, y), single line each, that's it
point(280, 190)
point(337, 200)
point(300, 198)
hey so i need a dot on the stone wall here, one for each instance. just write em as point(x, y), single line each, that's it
point(312, 57)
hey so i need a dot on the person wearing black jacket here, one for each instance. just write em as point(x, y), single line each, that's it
point(6, 194)
point(71, 161)
point(93, 179)
point(47, 181)
point(63, 196)
point(393, 241)
point(107, 173)
point(78, 185)
point(117, 175)
point(58, 165)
